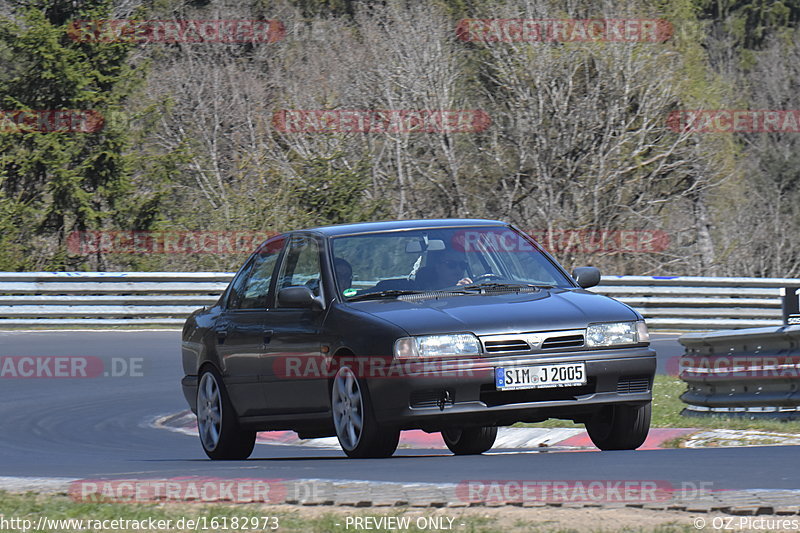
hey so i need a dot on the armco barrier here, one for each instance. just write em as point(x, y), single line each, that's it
point(749, 372)
point(705, 303)
point(106, 298)
point(166, 298)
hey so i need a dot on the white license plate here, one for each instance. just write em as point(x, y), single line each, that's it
point(539, 377)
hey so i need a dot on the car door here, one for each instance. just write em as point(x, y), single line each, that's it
point(296, 380)
point(242, 330)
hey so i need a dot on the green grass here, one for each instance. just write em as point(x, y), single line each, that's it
point(31, 506)
point(667, 408)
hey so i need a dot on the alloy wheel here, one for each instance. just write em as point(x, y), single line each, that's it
point(209, 411)
point(348, 408)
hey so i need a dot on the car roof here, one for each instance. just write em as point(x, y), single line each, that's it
point(394, 225)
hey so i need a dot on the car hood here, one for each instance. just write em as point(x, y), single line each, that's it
point(544, 310)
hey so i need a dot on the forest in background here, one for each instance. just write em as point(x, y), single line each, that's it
point(578, 139)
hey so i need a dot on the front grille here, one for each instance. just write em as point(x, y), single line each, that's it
point(569, 341)
point(633, 385)
point(513, 345)
point(533, 342)
point(493, 397)
point(430, 398)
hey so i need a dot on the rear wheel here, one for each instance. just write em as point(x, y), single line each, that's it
point(357, 429)
point(220, 433)
point(620, 427)
point(470, 441)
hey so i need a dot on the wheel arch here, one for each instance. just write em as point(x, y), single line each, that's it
point(340, 353)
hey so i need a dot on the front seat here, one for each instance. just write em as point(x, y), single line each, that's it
point(426, 278)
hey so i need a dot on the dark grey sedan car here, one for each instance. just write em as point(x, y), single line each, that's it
point(452, 326)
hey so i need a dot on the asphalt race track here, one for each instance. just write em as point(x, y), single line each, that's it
point(99, 427)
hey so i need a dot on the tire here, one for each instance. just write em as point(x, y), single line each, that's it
point(620, 427)
point(359, 433)
point(470, 441)
point(217, 425)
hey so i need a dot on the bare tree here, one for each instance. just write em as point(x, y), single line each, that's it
point(763, 210)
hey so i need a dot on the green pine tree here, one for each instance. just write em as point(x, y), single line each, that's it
point(56, 182)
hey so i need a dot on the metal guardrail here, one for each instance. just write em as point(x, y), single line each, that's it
point(166, 298)
point(750, 372)
point(106, 298)
point(705, 303)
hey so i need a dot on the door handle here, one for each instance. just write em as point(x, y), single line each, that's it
point(268, 336)
point(222, 334)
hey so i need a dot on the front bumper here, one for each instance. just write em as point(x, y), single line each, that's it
point(433, 400)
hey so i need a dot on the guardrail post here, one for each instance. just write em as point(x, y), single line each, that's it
point(790, 303)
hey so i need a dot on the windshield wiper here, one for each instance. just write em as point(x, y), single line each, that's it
point(498, 285)
point(393, 293)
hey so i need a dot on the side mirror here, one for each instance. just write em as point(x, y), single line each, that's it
point(301, 297)
point(586, 276)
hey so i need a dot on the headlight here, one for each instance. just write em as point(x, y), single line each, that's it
point(437, 346)
point(617, 333)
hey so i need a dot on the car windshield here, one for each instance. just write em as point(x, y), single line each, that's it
point(457, 258)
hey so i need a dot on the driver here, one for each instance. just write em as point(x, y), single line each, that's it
point(448, 268)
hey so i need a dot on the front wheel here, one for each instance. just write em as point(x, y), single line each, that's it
point(620, 427)
point(470, 441)
point(220, 433)
point(359, 433)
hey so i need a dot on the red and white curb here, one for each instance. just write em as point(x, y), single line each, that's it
point(538, 439)
point(729, 438)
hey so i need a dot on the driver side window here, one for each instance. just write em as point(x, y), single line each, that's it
point(251, 289)
point(301, 265)
point(236, 292)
